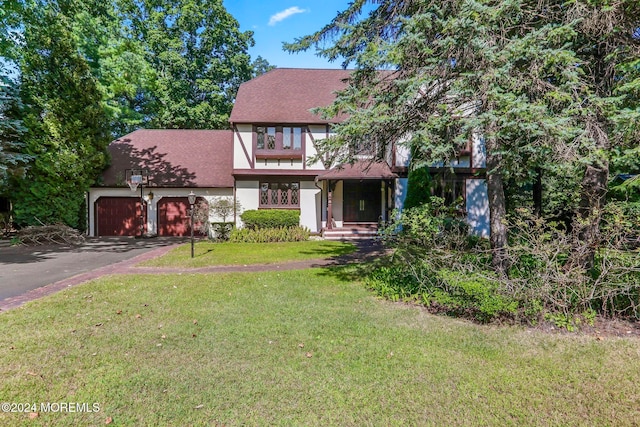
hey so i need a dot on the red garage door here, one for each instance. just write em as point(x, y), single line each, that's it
point(173, 217)
point(118, 216)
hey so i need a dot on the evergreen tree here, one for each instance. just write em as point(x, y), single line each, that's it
point(527, 75)
point(67, 126)
point(13, 159)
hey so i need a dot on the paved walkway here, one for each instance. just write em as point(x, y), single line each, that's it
point(367, 249)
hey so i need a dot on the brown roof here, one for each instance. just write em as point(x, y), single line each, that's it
point(174, 157)
point(285, 95)
point(359, 170)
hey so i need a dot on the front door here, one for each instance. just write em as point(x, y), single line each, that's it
point(362, 201)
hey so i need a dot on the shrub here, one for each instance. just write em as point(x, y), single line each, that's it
point(221, 231)
point(418, 187)
point(270, 218)
point(464, 295)
point(269, 235)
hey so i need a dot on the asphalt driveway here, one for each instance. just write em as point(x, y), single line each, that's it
point(24, 268)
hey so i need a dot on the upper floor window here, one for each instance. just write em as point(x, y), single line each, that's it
point(266, 137)
point(279, 138)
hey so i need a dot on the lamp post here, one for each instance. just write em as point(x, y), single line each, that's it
point(192, 202)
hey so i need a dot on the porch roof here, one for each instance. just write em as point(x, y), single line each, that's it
point(359, 170)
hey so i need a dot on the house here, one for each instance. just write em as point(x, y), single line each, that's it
point(265, 162)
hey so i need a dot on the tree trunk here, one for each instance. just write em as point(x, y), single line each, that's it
point(586, 224)
point(537, 193)
point(497, 209)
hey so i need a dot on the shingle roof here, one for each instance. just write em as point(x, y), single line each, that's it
point(174, 157)
point(285, 95)
point(359, 170)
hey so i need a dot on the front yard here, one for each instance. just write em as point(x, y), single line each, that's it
point(305, 347)
point(208, 253)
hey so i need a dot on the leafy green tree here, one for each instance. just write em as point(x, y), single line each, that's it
point(198, 56)
point(67, 126)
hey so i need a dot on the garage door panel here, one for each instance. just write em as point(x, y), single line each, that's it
point(173, 217)
point(118, 216)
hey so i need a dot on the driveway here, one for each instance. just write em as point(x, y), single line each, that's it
point(25, 268)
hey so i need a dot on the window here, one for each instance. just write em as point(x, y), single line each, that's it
point(279, 194)
point(266, 137)
point(279, 138)
point(451, 189)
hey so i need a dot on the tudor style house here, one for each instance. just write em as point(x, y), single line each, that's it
point(264, 162)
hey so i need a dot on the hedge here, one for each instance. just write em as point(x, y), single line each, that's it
point(270, 218)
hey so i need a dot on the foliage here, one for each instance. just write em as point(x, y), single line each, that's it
point(270, 218)
point(199, 58)
point(221, 231)
point(220, 208)
point(429, 225)
point(446, 272)
point(418, 187)
point(224, 207)
point(545, 83)
point(67, 126)
point(270, 234)
point(13, 158)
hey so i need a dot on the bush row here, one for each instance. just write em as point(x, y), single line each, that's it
point(270, 218)
point(266, 235)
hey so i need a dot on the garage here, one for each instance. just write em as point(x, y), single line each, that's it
point(118, 216)
point(173, 217)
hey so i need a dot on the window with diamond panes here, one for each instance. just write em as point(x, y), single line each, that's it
point(279, 194)
point(279, 138)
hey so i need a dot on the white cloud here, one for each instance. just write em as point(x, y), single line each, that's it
point(281, 16)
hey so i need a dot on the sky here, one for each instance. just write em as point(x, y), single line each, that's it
point(277, 21)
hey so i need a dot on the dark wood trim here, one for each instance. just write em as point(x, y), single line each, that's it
point(466, 172)
point(279, 154)
point(304, 146)
point(401, 171)
point(244, 148)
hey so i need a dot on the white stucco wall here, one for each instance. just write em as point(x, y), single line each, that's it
point(318, 132)
point(310, 206)
point(400, 192)
point(478, 151)
point(209, 194)
point(478, 207)
point(247, 195)
point(240, 160)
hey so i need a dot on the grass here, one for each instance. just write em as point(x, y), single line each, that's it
point(302, 347)
point(208, 253)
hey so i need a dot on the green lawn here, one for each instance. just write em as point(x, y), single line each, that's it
point(208, 253)
point(305, 347)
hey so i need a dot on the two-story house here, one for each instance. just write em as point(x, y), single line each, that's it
point(265, 162)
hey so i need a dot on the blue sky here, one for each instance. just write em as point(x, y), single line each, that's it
point(277, 21)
